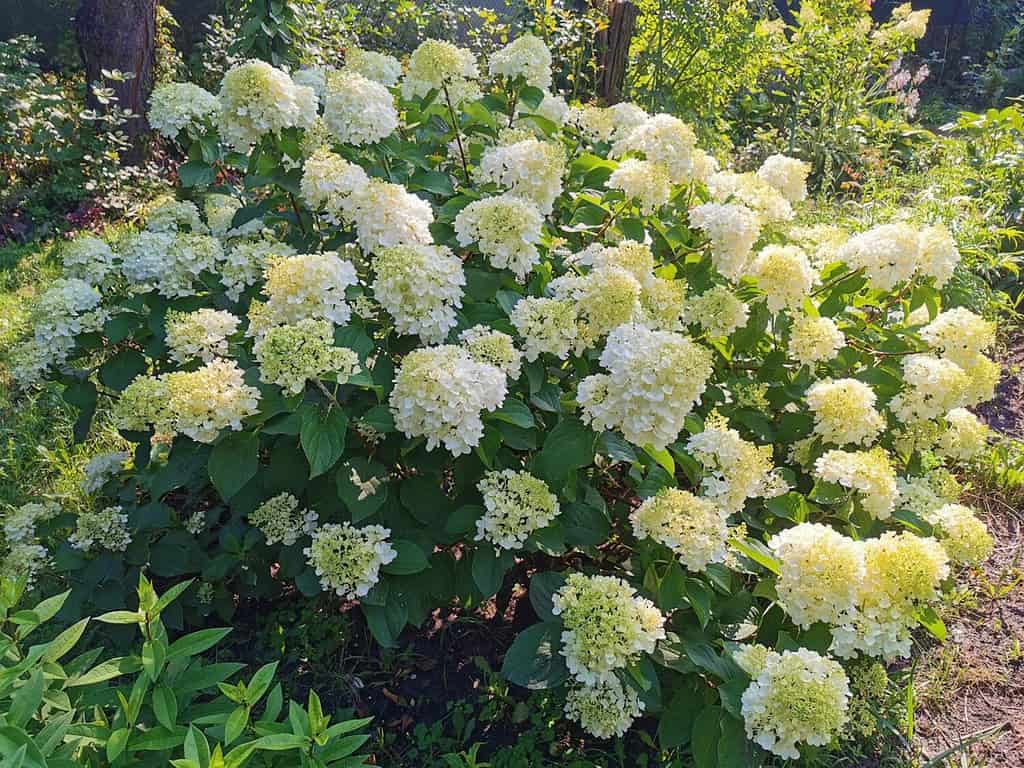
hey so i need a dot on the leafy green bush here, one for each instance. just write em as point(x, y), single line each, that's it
point(55, 153)
point(430, 334)
point(161, 703)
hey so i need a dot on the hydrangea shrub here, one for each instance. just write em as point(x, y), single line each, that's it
point(413, 335)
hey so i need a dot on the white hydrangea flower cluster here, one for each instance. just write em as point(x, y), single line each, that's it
point(308, 285)
point(606, 626)
point(201, 335)
point(965, 436)
point(348, 559)
point(198, 403)
point(506, 229)
point(420, 286)
point(437, 65)
point(918, 495)
point(280, 520)
point(735, 469)
point(814, 339)
point(89, 259)
point(902, 573)
point(869, 473)
point(380, 67)
point(786, 174)
point(784, 274)
point(175, 107)
point(547, 326)
point(439, 394)
point(604, 709)
point(604, 298)
point(168, 262)
point(245, 262)
point(168, 214)
point(107, 528)
point(68, 308)
point(386, 215)
point(594, 122)
point(291, 355)
point(257, 99)
point(894, 253)
point(358, 110)
point(798, 697)
point(527, 57)
point(327, 179)
point(102, 468)
point(315, 78)
point(662, 139)
point(718, 311)
point(732, 229)
point(495, 348)
point(964, 537)
point(530, 169)
point(516, 504)
point(751, 191)
point(641, 180)
point(26, 560)
point(20, 525)
point(844, 411)
point(695, 529)
point(821, 241)
point(821, 573)
point(960, 335)
point(933, 387)
point(654, 379)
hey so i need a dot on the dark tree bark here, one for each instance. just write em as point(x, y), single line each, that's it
point(120, 34)
point(614, 45)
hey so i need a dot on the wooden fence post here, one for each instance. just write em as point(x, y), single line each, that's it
point(614, 44)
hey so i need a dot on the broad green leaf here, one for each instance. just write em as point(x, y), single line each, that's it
point(233, 462)
point(322, 435)
point(533, 660)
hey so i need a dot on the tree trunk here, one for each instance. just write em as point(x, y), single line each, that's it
point(120, 34)
point(614, 44)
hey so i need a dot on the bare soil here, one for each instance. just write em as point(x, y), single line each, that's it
point(971, 690)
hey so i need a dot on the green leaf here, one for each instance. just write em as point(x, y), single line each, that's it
point(195, 173)
point(700, 600)
point(930, 620)
point(236, 723)
point(116, 743)
point(196, 642)
point(533, 660)
point(409, 560)
point(568, 447)
point(322, 436)
point(489, 569)
point(122, 369)
point(108, 670)
point(677, 721)
point(361, 502)
point(704, 738)
point(121, 617)
point(65, 641)
point(26, 700)
point(515, 412)
point(531, 96)
point(233, 462)
point(197, 748)
point(154, 655)
point(260, 683)
point(542, 587)
point(165, 706)
point(757, 552)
